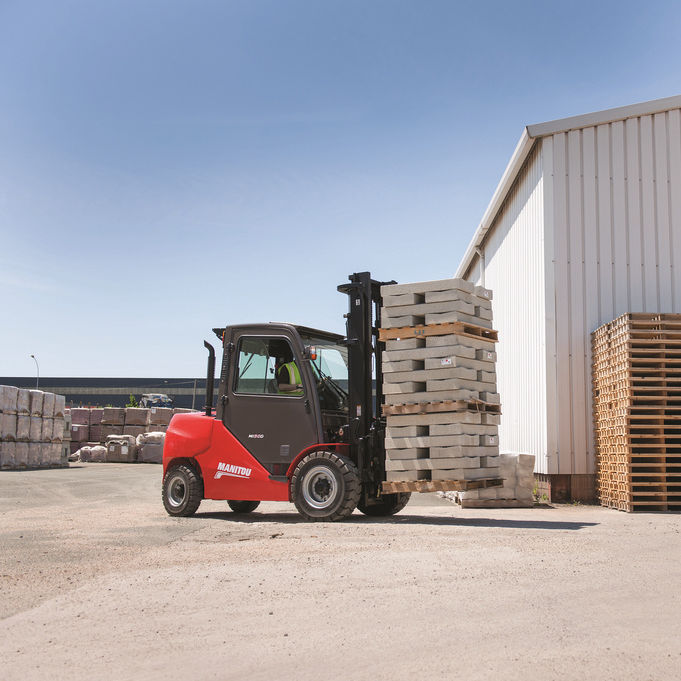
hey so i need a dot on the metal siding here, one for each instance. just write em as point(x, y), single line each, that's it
point(514, 270)
point(615, 191)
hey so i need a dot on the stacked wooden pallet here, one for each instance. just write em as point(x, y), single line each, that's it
point(439, 381)
point(637, 411)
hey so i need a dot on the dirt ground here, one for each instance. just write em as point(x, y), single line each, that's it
point(97, 582)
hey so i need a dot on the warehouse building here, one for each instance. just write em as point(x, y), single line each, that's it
point(584, 225)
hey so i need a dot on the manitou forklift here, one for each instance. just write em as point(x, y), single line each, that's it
point(316, 440)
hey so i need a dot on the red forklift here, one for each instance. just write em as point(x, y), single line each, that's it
point(315, 437)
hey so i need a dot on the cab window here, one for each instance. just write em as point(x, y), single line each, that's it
point(261, 368)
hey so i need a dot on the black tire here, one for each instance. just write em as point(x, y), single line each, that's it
point(388, 505)
point(182, 491)
point(243, 506)
point(325, 486)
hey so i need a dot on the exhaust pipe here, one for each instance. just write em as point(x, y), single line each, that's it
point(210, 378)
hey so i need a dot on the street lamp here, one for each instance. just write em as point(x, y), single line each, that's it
point(37, 369)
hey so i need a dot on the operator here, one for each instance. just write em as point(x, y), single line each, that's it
point(289, 381)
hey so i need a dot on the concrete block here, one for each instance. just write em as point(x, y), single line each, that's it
point(9, 396)
point(425, 286)
point(403, 299)
point(458, 384)
point(400, 344)
point(402, 365)
point(47, 430)
point(483, 292)
point(487, 377)
point(407, 464)
point(489, 440)
point(59, 406)
point(57, 430)
point(80, 416)
point(406, 431)
point(460, 462)
point(483, 312)
point(48, 406)
point(459, 428)
point(437, 396)
point(35, 429)
point(110, 429)
point(8, 427)
point(113, 416)
point(24, 401)
point(21, 457)
point(431, 374)
point(434, 363)
point(486, 355)
point(490, 419)
point(454, 294)
point(134, 431)
point(402, 387)
point(444, 317)
point(449, 474)
point(406, 476)
point(36, 402)
point(421, 352)
point(429, 308)
point(490, 397)
point(487, 493)
point(479, 473)
point(8, 451)
point(160, 415)
point(394, 322)
point(136, 416)
point(23, 427)
point(430, 441)
point(34, 452)
point(437, 418)
point(450, 452)
point(453, 339)
point(409, 453)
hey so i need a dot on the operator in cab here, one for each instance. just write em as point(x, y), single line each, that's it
point(289, 381)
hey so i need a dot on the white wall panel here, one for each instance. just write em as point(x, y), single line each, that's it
point(514, 270)
point(615, 191)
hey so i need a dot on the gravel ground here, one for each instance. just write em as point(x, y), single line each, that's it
point(97, 582)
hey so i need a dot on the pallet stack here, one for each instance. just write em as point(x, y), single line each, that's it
point(637, 411)
point(439, 381)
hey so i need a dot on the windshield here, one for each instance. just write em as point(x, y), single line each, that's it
point(331, 370)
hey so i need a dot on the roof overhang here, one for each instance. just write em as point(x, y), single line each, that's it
point(527, 140)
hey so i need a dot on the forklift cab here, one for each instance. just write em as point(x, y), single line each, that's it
point(272, 423)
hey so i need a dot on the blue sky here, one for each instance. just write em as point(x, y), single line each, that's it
point(167, 167)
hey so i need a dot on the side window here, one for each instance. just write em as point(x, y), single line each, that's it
point(259, 365)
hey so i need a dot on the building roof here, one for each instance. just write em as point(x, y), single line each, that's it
point(525, 144)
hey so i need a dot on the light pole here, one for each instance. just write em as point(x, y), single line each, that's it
point(37, 369)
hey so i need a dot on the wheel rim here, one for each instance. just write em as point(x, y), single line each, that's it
point(320, 487)
point(177, 491)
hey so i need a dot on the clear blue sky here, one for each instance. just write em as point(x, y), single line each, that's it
point(167, 167)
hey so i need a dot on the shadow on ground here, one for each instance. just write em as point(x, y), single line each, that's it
point(404, 519)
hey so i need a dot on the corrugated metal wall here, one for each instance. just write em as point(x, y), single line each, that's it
point(613, 195)
point(514, 270)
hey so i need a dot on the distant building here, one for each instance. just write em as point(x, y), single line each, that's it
point(115, 392)
point(585, 225)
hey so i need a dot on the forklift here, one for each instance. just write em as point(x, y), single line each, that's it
point(296, 420)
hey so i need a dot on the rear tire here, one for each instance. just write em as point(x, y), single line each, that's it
point(182, 491)
point(243, 506)
point(388, 505)
point(325, 486)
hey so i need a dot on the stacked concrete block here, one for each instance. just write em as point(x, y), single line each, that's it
point(439, 382)
point(517, 471)
point(150, 448)
point(159, 419)
point(31, 423)
point(121, 449)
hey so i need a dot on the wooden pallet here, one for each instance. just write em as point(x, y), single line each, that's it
point(440, 485)
point(636, 371)
point(443, 406)
point(444, 329)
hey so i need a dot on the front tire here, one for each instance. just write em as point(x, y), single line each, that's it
point(325, 486)
point(182, 491)
point(388, 505)
point(243, 506)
